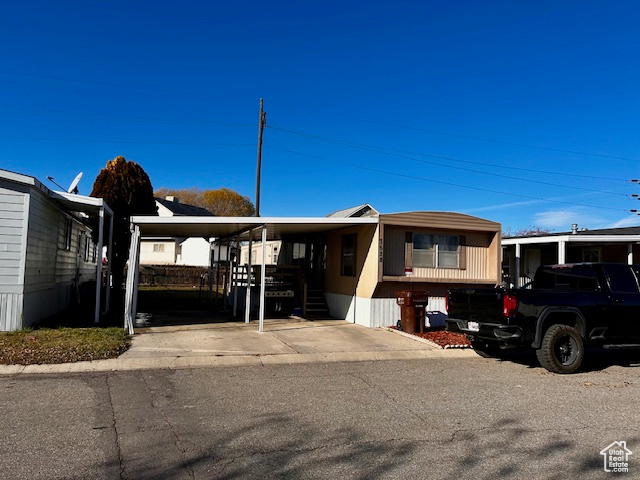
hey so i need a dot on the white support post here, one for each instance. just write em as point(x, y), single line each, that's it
point(247, 301)
point(630, 253)
point(234, 278)
point(517, 272)
point(107, 297)
point(218, 272)
point(562, 252)
point(96, 315)
point(228, 277)
point(263, 277)
point(136, 278)
point(131, 290)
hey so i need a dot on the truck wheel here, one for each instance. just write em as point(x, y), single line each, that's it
point(562, 349)
point(486, 349)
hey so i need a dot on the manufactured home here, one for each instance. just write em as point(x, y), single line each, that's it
point(348, 265)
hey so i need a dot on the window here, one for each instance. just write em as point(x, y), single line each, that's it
point(158, 247)
point(442, 251)
point(299, 250)
point(424, 250)
point(448, 251)
point(86, 249)
point(348, 263)
point(591, 254)
point(68, 229)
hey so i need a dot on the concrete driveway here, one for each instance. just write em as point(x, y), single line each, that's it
point(284, 341)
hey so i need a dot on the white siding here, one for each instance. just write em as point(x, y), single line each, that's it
point(12, 237)
point(44, 303)
point(194, 251)
point(51, 269)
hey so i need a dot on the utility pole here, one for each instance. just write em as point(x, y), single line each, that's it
point(262, 121)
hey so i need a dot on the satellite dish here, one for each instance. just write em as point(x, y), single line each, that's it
point(73, 188)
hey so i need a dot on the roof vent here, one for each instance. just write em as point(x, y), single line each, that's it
point(574, 228)
point(171, 198)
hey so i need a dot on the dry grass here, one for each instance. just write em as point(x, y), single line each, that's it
point(61, 345)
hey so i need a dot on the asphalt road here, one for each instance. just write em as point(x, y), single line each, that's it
point(423, 419)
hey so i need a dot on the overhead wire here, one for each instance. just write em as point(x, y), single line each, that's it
point(36, 111)
point(350, 117)
point(499, 175)
point(48, 139)
point(458, 135)
point(441, 182)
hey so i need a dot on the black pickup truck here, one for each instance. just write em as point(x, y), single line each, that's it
point(566, 308)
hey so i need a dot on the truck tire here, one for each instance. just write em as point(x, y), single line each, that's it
point(562, 349)
point(487, 349)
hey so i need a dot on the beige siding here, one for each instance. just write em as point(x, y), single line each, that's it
point(334, 281)
point(477, 267)
point(149, 257)
point(440, 220)
point(480, 250)
point(394, 238)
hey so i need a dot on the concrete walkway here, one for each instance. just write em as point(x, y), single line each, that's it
point(284, 341)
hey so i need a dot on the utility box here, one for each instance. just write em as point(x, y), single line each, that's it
point(413, 305)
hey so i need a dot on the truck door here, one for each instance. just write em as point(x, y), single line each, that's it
point(624, 298)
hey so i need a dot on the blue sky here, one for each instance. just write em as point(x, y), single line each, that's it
point(524, 113)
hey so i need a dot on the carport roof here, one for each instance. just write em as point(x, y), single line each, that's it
point(221, 227)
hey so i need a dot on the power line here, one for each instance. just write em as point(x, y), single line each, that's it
point(499, 175)
point(128, 142)
point(430, 180)
point(443, 157)
point(115, 85)
point(468, 137)
point(126, 117)
point(366, 120)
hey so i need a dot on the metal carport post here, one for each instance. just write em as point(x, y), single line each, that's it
point(263, 277)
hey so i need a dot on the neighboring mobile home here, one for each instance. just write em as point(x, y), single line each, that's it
point(47, 256)
point(523, 255)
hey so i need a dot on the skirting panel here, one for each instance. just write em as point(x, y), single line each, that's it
point(379, 312)
point(11, 311)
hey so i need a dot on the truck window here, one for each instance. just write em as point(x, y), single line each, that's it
point(621, 279)
point(574, 277)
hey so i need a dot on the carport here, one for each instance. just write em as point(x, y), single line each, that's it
point(229, 229)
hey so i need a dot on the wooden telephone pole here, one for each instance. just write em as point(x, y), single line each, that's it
point(262, 121)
